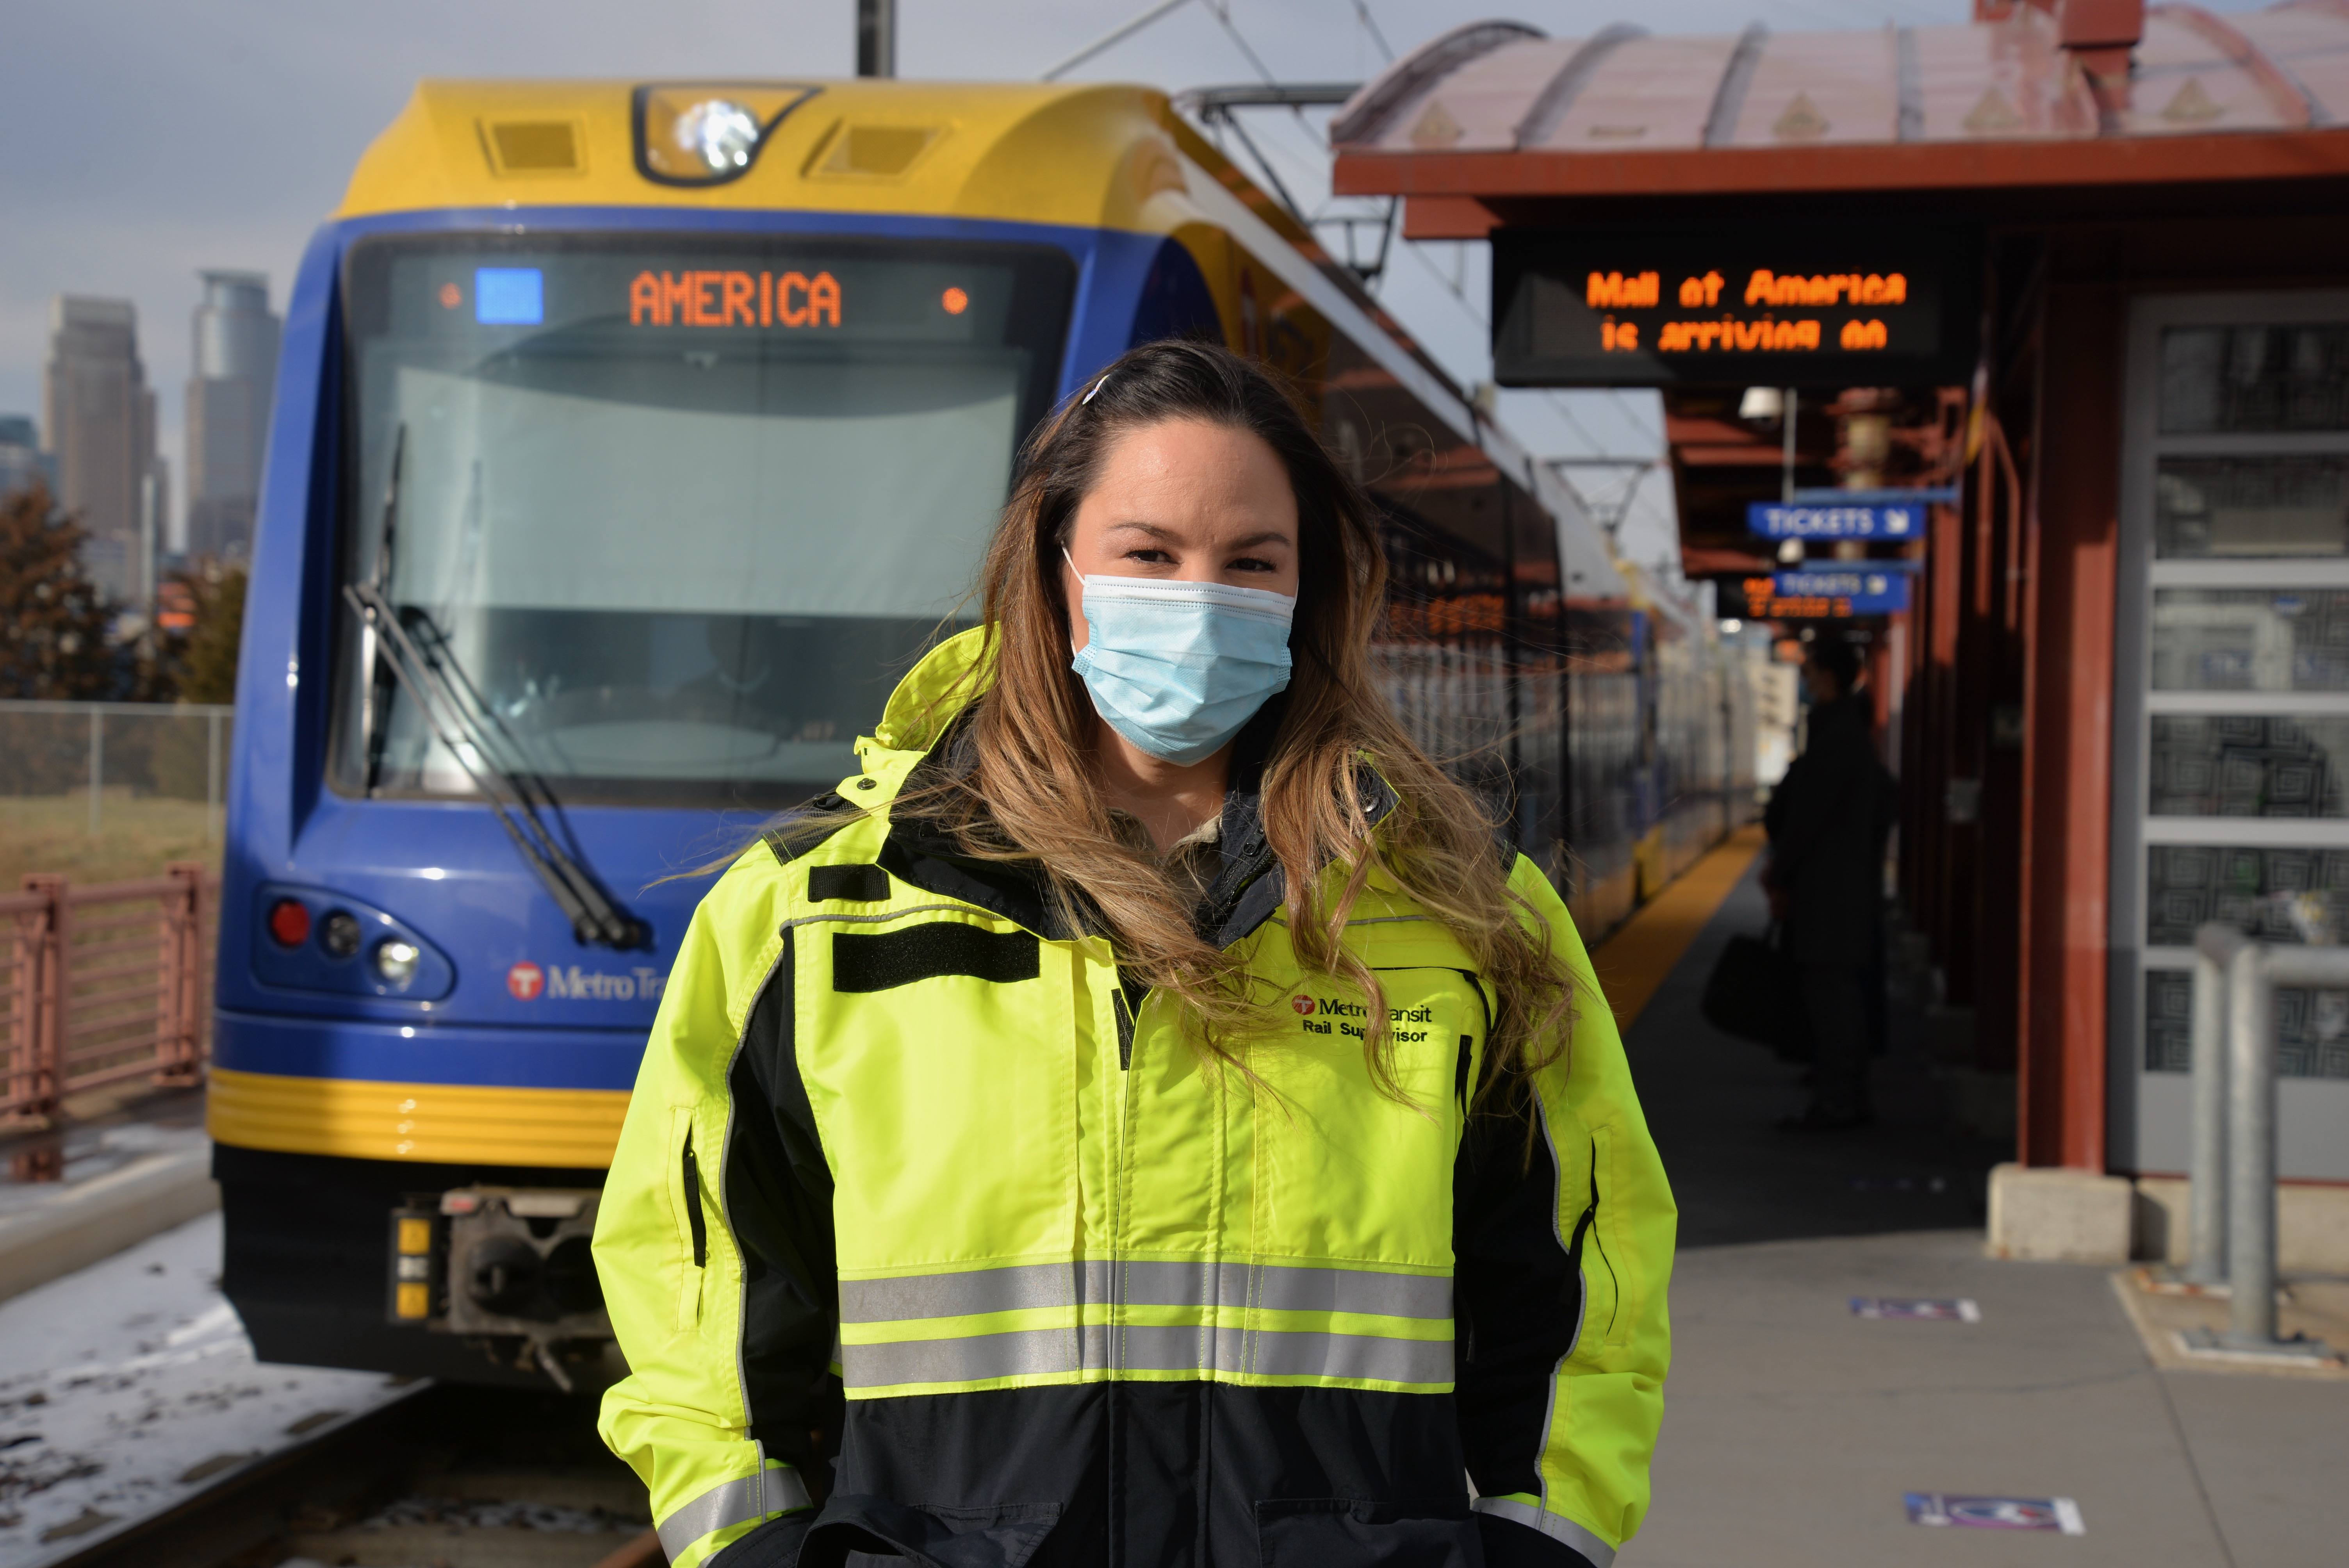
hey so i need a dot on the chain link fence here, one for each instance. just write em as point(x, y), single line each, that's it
point(110, 757)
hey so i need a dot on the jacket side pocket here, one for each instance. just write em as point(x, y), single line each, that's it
point(690, 1223)
point(856, 1531)
point(1341, 1532)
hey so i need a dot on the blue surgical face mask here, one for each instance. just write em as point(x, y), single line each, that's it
point(1178, 668)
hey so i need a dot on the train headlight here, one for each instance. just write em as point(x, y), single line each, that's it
point(721, 132)
point(395, 961)
point(339, 933)
point(706, 133)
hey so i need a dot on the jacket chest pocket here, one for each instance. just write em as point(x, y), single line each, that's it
point(934, 1056)
point(1344, 1168)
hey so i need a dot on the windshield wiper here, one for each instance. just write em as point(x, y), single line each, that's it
point(417, 653)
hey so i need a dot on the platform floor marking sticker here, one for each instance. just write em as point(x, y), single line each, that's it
point(1948, 1509)
point(1899, 1183)
point(1938, 1309)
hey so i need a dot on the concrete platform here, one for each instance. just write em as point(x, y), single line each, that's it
point(90, 1188)
point(1793, 1428)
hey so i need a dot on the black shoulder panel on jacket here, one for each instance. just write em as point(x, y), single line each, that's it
point(893, 958)
point(862, 884)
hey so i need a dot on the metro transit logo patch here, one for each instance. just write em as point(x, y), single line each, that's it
point(524, 981)
point(1302, 1004)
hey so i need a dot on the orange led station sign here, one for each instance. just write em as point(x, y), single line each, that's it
point(1863, 308)
point(789, 299)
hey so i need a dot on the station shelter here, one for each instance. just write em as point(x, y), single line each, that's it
point(2073, 278)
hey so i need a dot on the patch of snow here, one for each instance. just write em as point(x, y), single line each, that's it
point(131, 1385)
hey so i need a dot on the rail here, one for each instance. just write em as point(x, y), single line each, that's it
point(2232, 1207)
point(103, 982)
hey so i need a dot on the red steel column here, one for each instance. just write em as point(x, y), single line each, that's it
point(2068, 622)
point(49, 984)
point(178, 1014)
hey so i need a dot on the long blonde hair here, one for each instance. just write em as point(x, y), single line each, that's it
point(1028, 789)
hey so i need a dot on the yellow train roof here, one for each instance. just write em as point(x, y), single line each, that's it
point(1090, 155)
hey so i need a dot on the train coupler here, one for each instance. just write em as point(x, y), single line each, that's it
point(508, 1268)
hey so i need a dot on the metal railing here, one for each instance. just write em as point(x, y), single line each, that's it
point(2232, 1203)
point(148, 751)
point(103, 982)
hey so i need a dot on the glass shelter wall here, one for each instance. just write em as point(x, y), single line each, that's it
point(2231, 730)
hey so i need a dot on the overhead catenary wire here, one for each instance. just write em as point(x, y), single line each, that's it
point(1222, 11)
point(1113, 38)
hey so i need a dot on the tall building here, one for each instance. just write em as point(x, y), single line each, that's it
point(100, 418)
point(236, 371)
point(22, 464)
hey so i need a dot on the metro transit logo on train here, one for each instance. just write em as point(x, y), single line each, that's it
point(526, 982)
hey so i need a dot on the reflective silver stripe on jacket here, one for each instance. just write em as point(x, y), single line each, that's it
point(1269, 1287)
point(1556, 1526)
point(732, 1502)
point(1147, 1349)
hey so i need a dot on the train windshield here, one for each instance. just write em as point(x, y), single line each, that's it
point(680, 510)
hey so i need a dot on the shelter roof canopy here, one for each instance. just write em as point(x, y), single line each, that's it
point(1442, 114)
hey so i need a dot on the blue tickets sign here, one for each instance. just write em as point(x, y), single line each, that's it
point(1775, 519)
point(1830, 593)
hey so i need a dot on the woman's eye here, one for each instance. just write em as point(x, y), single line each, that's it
point(1253, 563)
point(1150, 557)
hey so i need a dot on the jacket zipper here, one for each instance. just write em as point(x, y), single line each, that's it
point(693, 1207)
point(1124, 1025)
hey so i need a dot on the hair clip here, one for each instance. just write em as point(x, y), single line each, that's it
point(1095, 392)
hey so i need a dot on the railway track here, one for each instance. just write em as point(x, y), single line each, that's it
point(449, 1477)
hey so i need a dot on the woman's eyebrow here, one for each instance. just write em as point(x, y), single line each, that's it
point(1152, 529)
point(1170, 536)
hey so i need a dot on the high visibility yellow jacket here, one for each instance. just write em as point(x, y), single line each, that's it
point(920, 1216)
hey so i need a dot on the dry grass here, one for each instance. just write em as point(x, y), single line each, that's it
point(137, 837)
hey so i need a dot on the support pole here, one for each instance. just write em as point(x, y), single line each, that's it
point(212, 774)
point(2253, 971)
point(1787, 477)
point(52, 995)
point(876, 38)
point(97, 762)
point(2250, 1151)
point(2215, 946)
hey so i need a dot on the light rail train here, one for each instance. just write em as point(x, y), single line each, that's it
point(630, 440)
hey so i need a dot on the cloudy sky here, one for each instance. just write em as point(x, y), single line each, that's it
point(150, 137)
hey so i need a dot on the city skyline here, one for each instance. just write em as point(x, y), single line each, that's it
point(98, 424)
point(234, 355)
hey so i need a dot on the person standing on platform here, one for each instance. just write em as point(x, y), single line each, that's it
point(1827, 820)
point(1141, 1119)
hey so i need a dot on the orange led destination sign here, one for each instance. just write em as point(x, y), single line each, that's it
point(1595, 308)
point(733, 299)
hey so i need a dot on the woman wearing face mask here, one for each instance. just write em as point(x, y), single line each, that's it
point(1143, 1119)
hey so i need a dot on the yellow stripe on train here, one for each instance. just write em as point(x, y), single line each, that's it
point(568, 1129)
